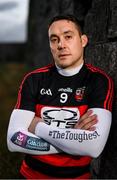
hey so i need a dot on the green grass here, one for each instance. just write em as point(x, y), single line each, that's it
point(10, 78)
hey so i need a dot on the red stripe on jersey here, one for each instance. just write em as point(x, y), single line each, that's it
point(29, 173)
point(64, 160)
point(43, 69)
point(109, 97)
point(82, 109)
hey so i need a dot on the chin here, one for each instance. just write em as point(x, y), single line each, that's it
point(64, 65)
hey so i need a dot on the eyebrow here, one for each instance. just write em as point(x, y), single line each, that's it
point(52, 35)
point(66, 32)
point(69, 31)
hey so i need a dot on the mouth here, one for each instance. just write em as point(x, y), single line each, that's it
point(63, 55)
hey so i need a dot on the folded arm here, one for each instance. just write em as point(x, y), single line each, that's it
point(19, 139)
point(79, 141)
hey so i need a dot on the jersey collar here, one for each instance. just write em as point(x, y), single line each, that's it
point(69, 72)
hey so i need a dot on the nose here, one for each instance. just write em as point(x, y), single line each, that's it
point(61, 44)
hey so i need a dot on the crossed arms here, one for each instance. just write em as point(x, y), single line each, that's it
point(29, 134)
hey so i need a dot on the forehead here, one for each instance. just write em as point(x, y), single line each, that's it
point(61, 26)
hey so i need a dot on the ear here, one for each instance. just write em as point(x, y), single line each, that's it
point(84, 40)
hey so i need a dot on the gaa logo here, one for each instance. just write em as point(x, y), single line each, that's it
point(45, 92)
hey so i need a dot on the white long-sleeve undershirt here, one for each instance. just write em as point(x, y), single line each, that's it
point(19, 139)
point(71, 141)
point(77, 141)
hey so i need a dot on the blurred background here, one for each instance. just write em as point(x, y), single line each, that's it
point(24, 47)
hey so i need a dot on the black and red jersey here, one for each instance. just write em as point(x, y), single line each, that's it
point(46, 92)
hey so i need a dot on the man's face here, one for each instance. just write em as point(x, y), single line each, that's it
point(66, 44)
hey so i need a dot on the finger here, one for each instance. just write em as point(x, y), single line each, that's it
point(86, 115)
point(92, 128)
point(82, 123)
point(90, 124)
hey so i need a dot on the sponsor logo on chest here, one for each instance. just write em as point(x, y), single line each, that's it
point(68, 89)
point(63, 117)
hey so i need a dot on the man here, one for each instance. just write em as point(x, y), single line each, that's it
point(63, 113)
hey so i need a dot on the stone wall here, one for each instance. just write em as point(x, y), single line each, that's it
point(101, 28)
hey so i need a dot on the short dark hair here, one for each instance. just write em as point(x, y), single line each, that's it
point(70, 17)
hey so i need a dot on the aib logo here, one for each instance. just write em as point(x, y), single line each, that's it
point(20, 137)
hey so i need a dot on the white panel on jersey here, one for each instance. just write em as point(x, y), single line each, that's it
point(60, 117)
point(13, 20)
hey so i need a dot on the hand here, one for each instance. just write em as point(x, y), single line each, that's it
point(87, 121)
point(33, 124)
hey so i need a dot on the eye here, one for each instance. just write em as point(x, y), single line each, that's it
point(54, 40)
point(68, 37)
